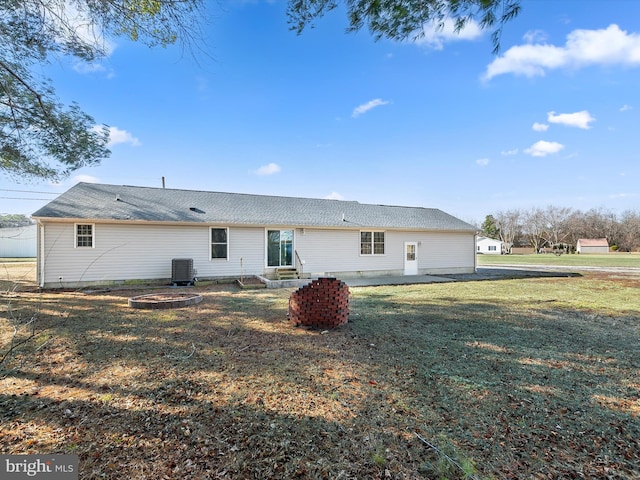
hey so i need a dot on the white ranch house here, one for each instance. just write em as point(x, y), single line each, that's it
point(489, 246)
point(109, 234)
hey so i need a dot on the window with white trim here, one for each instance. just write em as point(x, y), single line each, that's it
point(372, 243)
point(219, 243)
point(84, 235)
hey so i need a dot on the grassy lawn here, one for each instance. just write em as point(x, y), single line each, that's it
point(511, 379)
point(591, 260)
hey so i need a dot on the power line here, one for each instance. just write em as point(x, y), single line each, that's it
point(22, 198)
point(26, 191)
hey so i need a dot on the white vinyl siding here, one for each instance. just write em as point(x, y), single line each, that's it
point(447, 252)
point(594, 250)
point(131, 252)
point(338, 251)
point(124, 252)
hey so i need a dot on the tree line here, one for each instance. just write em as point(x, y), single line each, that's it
point(15, 220)
point(561, 227)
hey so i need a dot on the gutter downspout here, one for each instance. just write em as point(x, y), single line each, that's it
point(475, 253)
point(40, 259)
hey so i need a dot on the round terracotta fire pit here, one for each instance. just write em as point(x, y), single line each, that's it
point(164, 300)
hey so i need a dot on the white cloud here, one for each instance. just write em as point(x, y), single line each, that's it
point(610, 46)
point(534, 36)
point(483, 162)
point(544, 148)
point(269, 169)
point(434, 35)
point(117, 136)
point(365, 107)
point(508, 153)
point(623, 195)
point(85, 179)
point(86, 67)
point(334, 196)
point(625, 108)
point(540, 127)
point(578, 119)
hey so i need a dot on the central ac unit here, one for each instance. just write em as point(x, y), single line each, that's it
point(182, 272)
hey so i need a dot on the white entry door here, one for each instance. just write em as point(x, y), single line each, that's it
point(410, 258)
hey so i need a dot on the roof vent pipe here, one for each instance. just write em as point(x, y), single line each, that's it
point(162, 182)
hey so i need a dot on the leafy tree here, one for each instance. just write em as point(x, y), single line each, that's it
point(14, 220)
point(490, 227)
point(406, 19)
point(39, 136)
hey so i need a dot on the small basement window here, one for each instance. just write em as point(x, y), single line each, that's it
point(84, 235)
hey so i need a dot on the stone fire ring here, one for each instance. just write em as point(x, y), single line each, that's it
point(164, 300)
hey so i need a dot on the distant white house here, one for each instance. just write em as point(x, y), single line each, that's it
point(488, 245)
point(592, 245)
point(18, 242)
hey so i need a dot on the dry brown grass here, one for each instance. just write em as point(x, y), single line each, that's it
point(523, 378)
point(17, 274)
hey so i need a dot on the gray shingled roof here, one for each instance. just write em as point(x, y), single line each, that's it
point(90, 201)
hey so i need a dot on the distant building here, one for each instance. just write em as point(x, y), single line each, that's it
point(489, 246)
point(18, 242)
point(592, 245)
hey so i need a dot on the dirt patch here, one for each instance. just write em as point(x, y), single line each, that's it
point(164, 300)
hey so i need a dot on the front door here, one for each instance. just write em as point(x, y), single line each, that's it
point(410, 258)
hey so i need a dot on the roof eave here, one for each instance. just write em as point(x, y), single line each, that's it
point(244, 225)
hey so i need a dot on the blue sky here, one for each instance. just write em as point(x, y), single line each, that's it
point(553, 119)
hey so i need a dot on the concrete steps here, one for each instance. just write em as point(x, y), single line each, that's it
point(287, 273)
